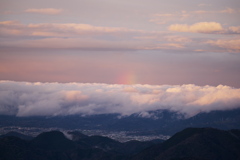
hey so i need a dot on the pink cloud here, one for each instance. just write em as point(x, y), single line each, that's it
point(181, 39)
point(232, 45)
point(62, 29)
point(227, 10)
point(234, 29)
point(50, 11)
point(163, 18)
point(201, 27)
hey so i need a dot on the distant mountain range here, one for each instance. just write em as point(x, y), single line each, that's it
point(54, 145)
point(159, 122)
point(196, 144)
point(189, 144)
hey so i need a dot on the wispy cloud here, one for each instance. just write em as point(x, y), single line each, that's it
point(201, 27)
point(178, 39)
point(234, 29)
point(163, 18)
point(52, 99)
point(90, 37)
point(185, 15)
point(226, 10)
point(231, 45)
point(50, 11)
point(60, 29)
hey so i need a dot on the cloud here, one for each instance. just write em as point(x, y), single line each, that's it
point(227, 10)
point(163, 18)
point(164, 46)
point(60, 29)
point(234, 29)
point(78, 36)
point(69, 36)
point(232, 45)
point(201, 27)
point(50, 11)
point(180, 39)
point(54, 99)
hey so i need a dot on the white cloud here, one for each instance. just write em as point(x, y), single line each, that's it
point(50, 11)
point(52, 99)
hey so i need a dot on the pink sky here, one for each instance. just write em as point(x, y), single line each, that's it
point(123, 42)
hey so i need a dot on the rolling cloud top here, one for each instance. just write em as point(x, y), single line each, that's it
point(55, 99)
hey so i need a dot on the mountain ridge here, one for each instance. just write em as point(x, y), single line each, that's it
point(188, 144)
point(166, 123)
point(196, 143)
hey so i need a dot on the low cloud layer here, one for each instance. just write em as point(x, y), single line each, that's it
point(54, 99)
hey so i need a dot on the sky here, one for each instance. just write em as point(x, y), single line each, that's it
point(121, 42)
point(129, 42)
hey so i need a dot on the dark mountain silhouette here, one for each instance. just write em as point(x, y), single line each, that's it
point(53, 140)
point(196, 143)
point(14, 148)
point(189, 144)
point(54, 145)
point(16, 134)
point(107, 144)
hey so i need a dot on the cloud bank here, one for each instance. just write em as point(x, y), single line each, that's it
point(55, 99)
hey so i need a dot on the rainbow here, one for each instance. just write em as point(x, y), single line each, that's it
point(127, 78)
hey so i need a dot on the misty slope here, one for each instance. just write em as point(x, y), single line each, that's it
point(16, 134)
point(196, 144)
point(161, 122)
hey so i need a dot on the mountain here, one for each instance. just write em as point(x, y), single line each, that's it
point(110, 145)
point(53, 140)
point(16, 134)
point(54, 145)
point(189, 144)
point(160, 122)
point(196, 144)
point(107, 144)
